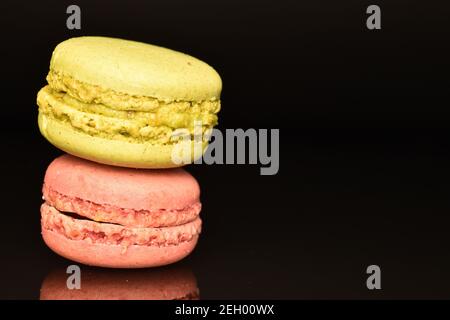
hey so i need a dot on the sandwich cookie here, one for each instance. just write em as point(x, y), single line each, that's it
point(117, 217)
point(127, 103)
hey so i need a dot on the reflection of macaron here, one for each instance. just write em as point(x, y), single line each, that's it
point(119, 217)
point(127, 103)
point(168, 283)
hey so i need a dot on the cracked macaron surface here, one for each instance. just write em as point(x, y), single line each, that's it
point(106, 94)
point(119, 217)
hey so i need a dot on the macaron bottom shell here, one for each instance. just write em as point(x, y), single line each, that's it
point(114, 246)
point(113, 256)
point(116, 152)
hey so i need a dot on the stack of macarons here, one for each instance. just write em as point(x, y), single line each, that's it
point(117, 107)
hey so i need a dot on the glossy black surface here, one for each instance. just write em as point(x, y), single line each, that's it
point(365, 160)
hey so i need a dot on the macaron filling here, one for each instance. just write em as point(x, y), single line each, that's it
point(97, 119)
point(89, 93)
point(123, 216)
point(114, 234)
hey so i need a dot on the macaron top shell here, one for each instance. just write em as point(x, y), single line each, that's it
point(122, 187)
point(136, 69)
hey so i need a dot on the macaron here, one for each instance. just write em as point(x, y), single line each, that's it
point(119, 217)
point(167, 283)
point(128, 103)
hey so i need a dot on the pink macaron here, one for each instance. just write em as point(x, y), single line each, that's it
point(116, 217)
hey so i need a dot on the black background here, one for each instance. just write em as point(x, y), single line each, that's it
point(364, 153)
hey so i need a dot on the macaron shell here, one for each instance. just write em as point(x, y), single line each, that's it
point(122, 187)
point(113, 256)
point(117, 152)
point(136, 68)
